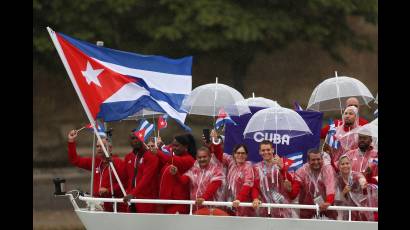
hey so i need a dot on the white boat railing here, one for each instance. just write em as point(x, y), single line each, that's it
point(191, 203)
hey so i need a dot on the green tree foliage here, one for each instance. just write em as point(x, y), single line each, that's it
point(233, 29)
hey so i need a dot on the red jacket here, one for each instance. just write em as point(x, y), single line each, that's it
point(170, 187)
point(101, 173)
point(147, 178)
point(325, 129)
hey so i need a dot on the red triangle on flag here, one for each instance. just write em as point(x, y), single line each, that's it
point(140, 134)
point(162, 123)
point(109, 81)
point(287, 163)
point(221, 113)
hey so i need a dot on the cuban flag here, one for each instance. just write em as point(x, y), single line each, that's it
point(113, 84)
point(287, 163)
point(297, 106)
point(162, 121)
point(222, 119)
point(147, 127)
point(100, 129)
point(330, 137)
point(297, 159)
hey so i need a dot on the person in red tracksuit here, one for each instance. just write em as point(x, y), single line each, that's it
point(183, 157)
point(102, 179)
point(142, 169)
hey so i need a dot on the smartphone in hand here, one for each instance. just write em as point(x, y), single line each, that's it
point(207, 135)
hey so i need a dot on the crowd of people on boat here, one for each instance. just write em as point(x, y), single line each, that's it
point(181, 170)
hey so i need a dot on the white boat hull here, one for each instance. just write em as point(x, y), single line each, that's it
point(140, 221)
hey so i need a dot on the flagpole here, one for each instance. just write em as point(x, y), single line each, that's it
point(79, 94)
point(92, 170)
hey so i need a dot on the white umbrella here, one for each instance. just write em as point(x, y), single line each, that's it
point(375, 122)
point(258, 102)
point(144, 113)
point(370, 129)
point(210, 98)
point(332, 93)
point(277, 120)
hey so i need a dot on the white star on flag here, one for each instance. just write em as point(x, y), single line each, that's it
point(91, 75)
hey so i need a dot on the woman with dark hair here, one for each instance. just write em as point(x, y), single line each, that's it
point(240, 177)
point(183, 152)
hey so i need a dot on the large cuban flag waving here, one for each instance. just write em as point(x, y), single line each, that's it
point(116, 84)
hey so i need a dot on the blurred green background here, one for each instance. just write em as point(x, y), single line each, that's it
point(280, 50)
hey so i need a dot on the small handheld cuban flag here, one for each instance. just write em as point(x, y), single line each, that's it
point(297, 106)
point(162, 121)
point(222, 119)
point(147, 127)
point(295, 161)
point(100, 128)
point(287, 163)
point(330, 137)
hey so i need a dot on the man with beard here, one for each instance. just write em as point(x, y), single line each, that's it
point(105, 184)
point(348, 140)
point(364, 159)
point(142, 169)
point(351, 101)
point(317, 185)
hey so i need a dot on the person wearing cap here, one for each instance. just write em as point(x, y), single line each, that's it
point(351, 101)
point(317, 186)
point(365, 158)
point(352, 189)
point(142, 172)
point(273, 184)
point(105, 184)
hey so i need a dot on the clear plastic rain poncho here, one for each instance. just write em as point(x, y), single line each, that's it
point(361, 195)
point(200, 178)
point(272, 190)
point(314, 189)
point(347, 142)
point(361, 161)
point(238, 175)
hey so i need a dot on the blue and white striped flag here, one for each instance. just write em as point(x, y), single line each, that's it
point(330, 137)
point(149, 128)
point(297, 160)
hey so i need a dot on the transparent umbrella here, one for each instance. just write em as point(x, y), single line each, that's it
point(258, 102)
point(375, 122)
point(144, 113)
point(370, 129)
point(210, 98)
point(332, 93)
point(278, 120)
